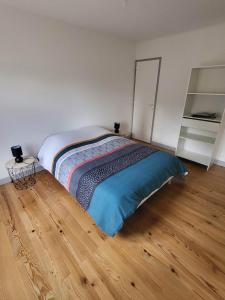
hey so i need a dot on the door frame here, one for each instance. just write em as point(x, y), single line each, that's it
point(156, 91)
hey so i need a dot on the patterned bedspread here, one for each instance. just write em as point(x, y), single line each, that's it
point(108, 174)
point(82, 166)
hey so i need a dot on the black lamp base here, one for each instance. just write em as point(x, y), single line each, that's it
point(19, 159)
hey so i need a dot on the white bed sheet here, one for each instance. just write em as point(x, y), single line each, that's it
point(54, 143)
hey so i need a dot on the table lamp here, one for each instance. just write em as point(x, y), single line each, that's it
point(17, 153)
point(117, 127)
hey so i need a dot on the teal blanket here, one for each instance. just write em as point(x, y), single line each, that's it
point(116, 198)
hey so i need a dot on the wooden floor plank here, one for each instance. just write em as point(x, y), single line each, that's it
point(173, 247)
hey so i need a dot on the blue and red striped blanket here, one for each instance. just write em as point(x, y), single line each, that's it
point(110, 175)
point(83, 166)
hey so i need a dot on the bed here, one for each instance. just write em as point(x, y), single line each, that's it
point(109, 175)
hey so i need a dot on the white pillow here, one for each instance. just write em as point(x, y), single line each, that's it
point(54, 143)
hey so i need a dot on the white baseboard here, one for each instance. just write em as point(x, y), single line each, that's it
point(219, 163)
point(5, 180)
point(173, 149)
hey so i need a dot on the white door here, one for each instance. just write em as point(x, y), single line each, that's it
point(146, 82)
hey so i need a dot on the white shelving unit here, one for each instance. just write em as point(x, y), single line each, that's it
point(199, 137)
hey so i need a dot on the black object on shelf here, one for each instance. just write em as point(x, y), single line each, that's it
point(117, 127)
point(203, 115)
point(17, 153)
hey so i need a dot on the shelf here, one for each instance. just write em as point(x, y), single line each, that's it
point(217, 120)
point(198, 137)
point(196, 157)
point(206, 94)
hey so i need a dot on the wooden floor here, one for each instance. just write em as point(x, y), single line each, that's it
point(173, 247)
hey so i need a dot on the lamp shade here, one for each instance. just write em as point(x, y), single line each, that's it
point(17, 153)
point(117, 127)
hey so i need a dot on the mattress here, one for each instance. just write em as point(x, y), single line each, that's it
point(109, 175)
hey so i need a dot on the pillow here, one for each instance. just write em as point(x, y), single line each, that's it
point(54, 143)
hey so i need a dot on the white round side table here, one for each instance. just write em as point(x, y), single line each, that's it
point(22, 174)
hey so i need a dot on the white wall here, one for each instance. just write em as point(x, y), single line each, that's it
point(179, 54)
point(54, 77)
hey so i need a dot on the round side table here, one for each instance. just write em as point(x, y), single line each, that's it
point(22, 174)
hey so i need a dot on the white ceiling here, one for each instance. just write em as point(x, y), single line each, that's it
point(132, 19)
